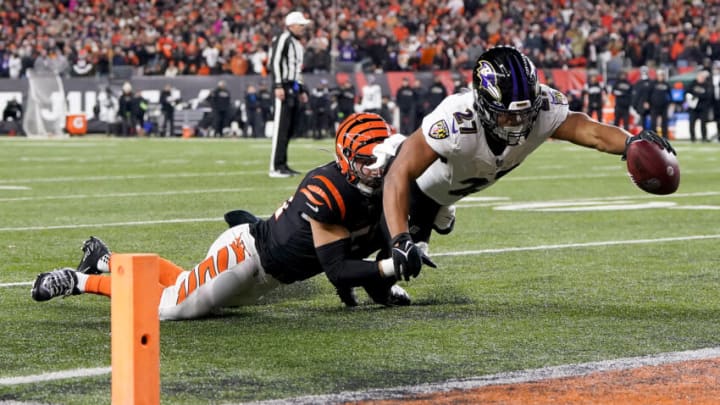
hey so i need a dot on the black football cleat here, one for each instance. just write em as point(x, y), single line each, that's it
point(94, 250)
point(57, 283)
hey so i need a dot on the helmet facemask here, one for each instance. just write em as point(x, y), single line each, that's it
point(367, 180)
point(513, 124)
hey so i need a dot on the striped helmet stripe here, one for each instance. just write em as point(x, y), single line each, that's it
point(366, 125)
point(520, 79)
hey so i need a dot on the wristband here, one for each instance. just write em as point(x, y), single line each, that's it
point(387, 268)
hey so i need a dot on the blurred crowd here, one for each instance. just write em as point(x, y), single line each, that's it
point(198, 37)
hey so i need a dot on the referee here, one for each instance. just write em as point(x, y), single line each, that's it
point(286, 60)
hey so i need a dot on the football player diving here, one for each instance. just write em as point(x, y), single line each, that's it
point(474, 138)
point(331, 224)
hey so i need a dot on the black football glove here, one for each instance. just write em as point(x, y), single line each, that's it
point(649, 136)
point(386, 292)
point(347, 296)
point(427, 260)
point(239, 217)
point(393, 296)
point(407, 258)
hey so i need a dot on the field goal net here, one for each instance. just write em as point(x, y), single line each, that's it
point(46, 109)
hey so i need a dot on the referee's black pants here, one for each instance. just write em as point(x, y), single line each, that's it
point(287, 120)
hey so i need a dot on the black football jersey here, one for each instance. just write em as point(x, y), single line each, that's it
point(284, 241)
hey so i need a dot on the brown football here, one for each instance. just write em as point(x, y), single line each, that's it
point(652, 168)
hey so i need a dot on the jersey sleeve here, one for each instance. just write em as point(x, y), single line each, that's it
point(320, 199)
point(446, 122)
point(554, 110)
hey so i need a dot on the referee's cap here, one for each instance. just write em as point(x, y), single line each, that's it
point(296, 18)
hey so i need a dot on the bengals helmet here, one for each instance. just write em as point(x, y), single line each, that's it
point(355, 139)
point(507, 93)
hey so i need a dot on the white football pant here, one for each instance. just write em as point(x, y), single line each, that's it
point(230, 275)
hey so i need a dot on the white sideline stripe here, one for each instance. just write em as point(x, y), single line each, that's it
point(56, 375)
point(532, 248)
point(512, 377)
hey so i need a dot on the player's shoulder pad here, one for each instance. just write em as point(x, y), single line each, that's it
point(439, 130)
point(323, 196)
point(442, 121)
point(552, 96)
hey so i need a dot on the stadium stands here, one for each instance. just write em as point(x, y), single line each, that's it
point(182, 40)
point(198, 37)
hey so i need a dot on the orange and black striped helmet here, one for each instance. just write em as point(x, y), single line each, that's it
point(355, 139)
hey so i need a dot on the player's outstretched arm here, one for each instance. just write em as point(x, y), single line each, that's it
point(580, 129)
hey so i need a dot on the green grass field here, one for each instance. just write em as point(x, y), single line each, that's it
point(563, 261)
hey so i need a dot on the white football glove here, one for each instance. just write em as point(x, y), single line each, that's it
point(384, 151)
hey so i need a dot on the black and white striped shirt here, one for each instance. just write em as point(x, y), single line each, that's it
point(286, 60)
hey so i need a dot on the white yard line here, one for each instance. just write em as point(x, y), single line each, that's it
point(517, 248)
point(14, 188)
point(56, 375)
point(241, 173)
point(123, 195)
point(22, 284)
point(129, 223)
point(474, 202)
point(85, 179)
point(470, 204)
point(574, 245)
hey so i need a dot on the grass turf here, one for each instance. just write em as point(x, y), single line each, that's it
point(562, 261)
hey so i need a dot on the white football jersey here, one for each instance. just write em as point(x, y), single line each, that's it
point(467, 164)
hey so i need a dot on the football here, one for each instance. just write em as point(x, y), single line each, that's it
point(652, 168)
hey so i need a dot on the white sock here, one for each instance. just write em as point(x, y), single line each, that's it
point(103, 263)
point(82, 279)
